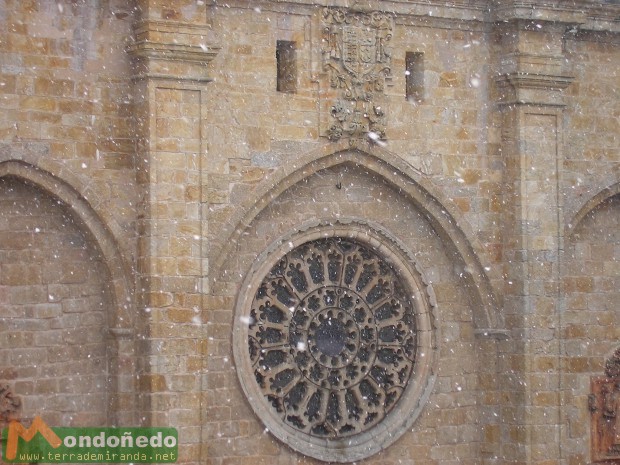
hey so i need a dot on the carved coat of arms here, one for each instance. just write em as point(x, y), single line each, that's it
point(357, 56)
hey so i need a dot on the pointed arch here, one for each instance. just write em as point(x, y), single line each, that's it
point(590, 205)
point(454, 231)
point(121, 321)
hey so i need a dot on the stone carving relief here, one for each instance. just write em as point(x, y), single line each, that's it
point(604, 402)
point(335, 341)
point(9, 404)
point(357, 56)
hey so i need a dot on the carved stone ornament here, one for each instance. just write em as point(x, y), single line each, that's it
point(604, 405)
point(9, 404)
point(334, 345)
point(357, 56)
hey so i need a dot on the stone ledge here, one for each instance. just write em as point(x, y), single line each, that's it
point(585, 14)
point(493, 333)
point(160, 53)
point(533, 89)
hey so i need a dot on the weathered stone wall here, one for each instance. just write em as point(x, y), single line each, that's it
point(590, 283)
point(450, 425)
point(158, 126)
point(68, 211)
point(67, 103)
point(590, 319)
point(55, 295)
point(591, 148)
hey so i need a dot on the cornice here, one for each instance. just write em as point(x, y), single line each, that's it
point(584, 14)
point(538, 81)
point(588, 15)
point(522, 88)
point(158, 43)
point(175, 27)
point(462, 10)
point(174, 52)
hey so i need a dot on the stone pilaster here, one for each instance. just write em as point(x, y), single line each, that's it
point(529, 87)
point(170, 74)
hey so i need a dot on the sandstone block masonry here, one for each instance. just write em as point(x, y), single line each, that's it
point(153, 153)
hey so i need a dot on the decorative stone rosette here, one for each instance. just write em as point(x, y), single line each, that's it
point(333, 340)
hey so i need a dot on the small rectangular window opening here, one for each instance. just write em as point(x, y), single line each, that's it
point(414, 76)
point(287, 66)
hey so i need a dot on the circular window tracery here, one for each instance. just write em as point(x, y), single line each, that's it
point(337, 339)
point(332, 338)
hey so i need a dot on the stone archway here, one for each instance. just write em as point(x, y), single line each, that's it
point(591, 204)
point(85, 294)
point(590, 324)
point(454, 231)
point(347, 194)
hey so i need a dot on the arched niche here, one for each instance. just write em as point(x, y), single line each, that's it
point(411, 185)
point(590, 205)
point(103, 317)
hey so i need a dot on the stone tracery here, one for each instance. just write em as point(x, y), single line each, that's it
point(332, 338)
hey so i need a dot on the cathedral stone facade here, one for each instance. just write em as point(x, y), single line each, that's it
point(381, 232)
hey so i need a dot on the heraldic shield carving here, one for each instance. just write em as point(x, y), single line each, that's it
point(357, 56)
point(604, 403)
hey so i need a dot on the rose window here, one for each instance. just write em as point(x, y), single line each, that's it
point(332, 340)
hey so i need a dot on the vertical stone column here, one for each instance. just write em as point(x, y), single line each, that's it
point(529, 88)
point(121, 372)
point(170, 63)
